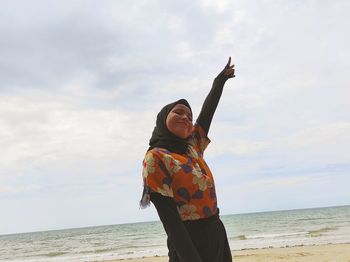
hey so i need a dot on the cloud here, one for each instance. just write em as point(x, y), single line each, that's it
point(18, 189)
point(319, 135)
point(82, 84)
point(54, 140)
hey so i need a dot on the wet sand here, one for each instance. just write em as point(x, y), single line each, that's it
point(321, 253)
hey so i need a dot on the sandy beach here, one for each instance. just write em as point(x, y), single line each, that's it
point(321, 253)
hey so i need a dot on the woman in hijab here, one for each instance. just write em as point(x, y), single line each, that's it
point(180, 184)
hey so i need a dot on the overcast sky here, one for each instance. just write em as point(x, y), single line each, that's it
point(81, 83)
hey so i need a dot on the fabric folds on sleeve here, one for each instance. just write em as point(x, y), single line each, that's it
point(156, 175)
point(199, 139)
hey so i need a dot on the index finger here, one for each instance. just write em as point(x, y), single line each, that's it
point(229, 62)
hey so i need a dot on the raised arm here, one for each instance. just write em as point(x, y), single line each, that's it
point(209, 106)
point(175, 229)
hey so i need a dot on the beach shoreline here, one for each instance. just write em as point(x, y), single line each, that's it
point(302, 253)
point(307, 235)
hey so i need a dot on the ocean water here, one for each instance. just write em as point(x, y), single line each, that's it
point(255, 230)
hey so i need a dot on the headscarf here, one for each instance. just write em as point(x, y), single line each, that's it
point(162, 137)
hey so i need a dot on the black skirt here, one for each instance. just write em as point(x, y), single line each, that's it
point(210, 239)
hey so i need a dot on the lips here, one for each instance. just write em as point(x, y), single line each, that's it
point(184, 123)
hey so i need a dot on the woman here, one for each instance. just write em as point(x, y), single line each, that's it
point(179, 183)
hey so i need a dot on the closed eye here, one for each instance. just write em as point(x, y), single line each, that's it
point(180, 112)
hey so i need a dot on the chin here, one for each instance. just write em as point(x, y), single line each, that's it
point(182, 136)
point(186, 136)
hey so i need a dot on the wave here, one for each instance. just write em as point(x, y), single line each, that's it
point(281, 235)
point(103, 250)
point(310, 233)
point(311, 219)
point(55, 254)
point(318, 232)
point(240, 237)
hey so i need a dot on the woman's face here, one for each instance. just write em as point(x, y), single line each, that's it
point(179, 121)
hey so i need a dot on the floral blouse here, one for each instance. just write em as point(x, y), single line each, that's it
point(184, 177)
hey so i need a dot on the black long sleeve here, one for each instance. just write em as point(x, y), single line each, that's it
point(209, 106)
point(175, 229)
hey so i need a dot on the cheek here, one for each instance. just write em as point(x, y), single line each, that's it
point(190, 129)
point(170, 122)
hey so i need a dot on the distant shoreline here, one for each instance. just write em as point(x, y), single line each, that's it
point(157, 220)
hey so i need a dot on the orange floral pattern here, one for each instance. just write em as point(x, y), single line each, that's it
point(184, 177)
point(188, 212)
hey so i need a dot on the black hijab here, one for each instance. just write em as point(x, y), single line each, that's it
point(162, 137)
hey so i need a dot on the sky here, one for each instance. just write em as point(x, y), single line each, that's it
point(81, 83)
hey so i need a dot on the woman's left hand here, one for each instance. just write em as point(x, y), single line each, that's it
point(229, 70)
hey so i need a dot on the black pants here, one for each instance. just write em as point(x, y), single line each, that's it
point(210, 239)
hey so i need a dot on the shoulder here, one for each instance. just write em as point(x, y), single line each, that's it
point(164, 155)
point(158, 155)
point(161, 161)
point(152, 162)
point(157, 152)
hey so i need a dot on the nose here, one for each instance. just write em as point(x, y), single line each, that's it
point(185, 117)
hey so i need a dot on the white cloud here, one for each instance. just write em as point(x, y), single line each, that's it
point(56, 133)
point(18, 189)
point(321, 135)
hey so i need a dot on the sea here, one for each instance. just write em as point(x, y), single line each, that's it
point(314, 226)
